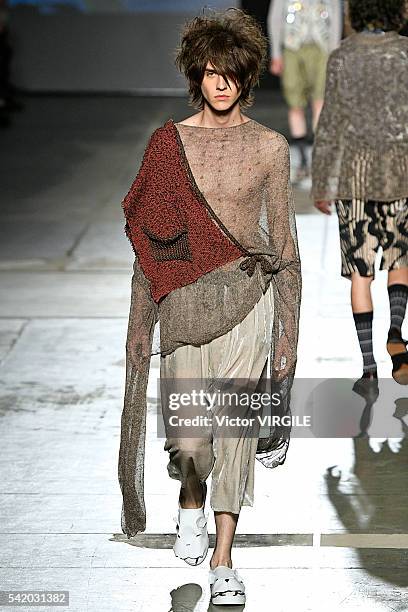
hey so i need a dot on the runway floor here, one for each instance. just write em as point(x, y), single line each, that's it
point(312, 541)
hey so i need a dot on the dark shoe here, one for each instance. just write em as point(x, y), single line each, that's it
point(396, 347)
point(367, 386)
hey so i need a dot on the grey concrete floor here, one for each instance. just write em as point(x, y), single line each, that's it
point(310, 542)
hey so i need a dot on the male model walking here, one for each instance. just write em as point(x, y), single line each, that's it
point(211, 218)
point(302, 33)
point(360, 160)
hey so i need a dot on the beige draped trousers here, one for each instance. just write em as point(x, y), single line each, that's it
point(241, 353)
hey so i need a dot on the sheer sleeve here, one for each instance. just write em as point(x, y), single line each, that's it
point(287, 288)
point(329, 137)
point(287, 276)
point(143, 316)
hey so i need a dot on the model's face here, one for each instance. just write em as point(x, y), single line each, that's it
point(218, 94)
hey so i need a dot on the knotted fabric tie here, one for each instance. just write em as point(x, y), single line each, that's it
point(250, 262)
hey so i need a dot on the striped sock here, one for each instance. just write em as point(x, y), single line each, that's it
point(364, 326)
point(398, 294)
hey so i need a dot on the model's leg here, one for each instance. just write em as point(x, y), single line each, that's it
point(359, 241)
point(243, 357)
point(298, 131)
point(191, 459)
point(361, 293)
point(226, 523)
point(297, 122)
point(362, 308)
point(293, 83)
point(187, 464)
point(395, 260)
point(397, 293)
point(192, 495)
point(398, 276)
point(241, 467)
point(293, 92)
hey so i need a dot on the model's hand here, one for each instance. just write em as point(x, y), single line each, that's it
point(276, 66)
point(324, 206)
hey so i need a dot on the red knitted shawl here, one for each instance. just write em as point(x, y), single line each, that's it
point(173, 230)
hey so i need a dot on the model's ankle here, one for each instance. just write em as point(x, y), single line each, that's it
point(190, 505)
point(189, 502)
point(394, 332)
point(216, 561)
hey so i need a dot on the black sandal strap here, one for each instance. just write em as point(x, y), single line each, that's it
point(395, 337)
point(398, 360)
point(397, 341)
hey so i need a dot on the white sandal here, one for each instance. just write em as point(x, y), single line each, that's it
point(192, 541)
point(227, 586)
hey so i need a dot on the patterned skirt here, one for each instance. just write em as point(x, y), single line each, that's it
point(366, 225)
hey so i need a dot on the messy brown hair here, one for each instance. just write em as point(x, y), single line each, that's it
point(233, 42)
